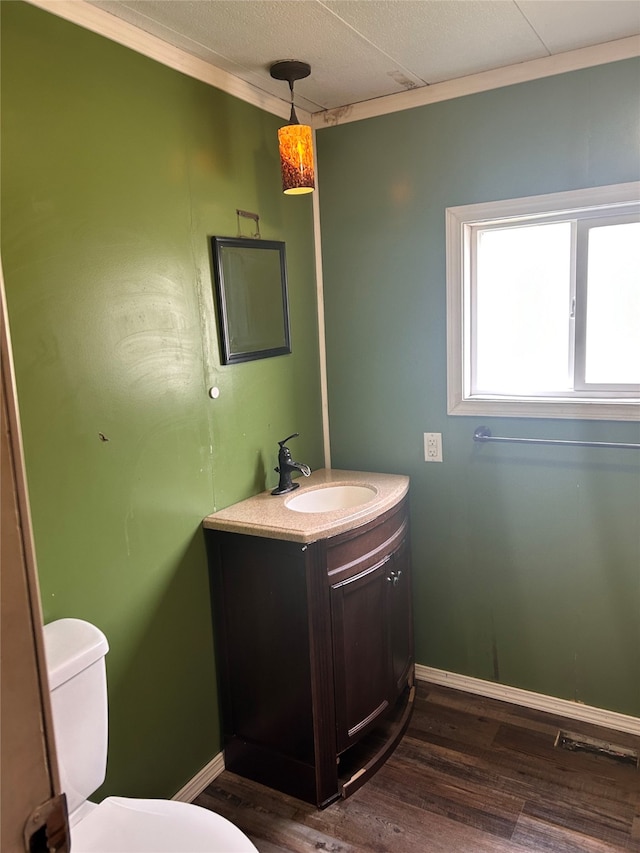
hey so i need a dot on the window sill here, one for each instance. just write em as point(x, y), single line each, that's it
point(584, 409)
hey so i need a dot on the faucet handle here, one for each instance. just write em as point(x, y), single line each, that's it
point(285, 440)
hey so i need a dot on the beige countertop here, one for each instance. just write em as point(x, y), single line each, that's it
point(268, 515)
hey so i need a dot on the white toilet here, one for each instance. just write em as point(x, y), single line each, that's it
point(77, 679)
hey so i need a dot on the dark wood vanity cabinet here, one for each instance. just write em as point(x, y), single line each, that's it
point(372, 644)
point(315, 654)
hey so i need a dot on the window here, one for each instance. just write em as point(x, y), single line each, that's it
point(543, 305)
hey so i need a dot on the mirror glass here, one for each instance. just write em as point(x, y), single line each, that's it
point(251, 292)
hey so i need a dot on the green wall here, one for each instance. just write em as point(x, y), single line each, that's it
point(115, 171)
point(526, 559)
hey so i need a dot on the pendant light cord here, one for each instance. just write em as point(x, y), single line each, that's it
point(293, 118)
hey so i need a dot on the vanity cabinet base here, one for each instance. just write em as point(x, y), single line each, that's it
point(362, 760)
point(296, 626)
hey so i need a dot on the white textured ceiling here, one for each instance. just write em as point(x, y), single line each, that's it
point(364, 49)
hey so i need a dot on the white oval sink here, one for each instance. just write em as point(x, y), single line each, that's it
point(331, 497)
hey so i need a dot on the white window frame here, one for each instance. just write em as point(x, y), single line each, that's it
point(589, 403)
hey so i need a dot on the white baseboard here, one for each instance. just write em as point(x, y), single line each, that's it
point(550, 704)
point(203, 777)
point(514, 695)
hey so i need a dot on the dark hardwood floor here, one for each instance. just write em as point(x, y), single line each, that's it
point(471, 775)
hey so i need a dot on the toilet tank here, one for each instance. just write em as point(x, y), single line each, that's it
point(75, 653)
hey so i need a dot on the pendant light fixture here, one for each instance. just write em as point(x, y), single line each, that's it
point(295, 140)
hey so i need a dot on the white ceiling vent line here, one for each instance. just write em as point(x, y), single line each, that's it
point(440, 41)
point(402, 75)
point(522, 11)
point(565, 26)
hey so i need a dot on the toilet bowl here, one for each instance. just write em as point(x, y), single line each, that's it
point(123, 825)
point(75, 652)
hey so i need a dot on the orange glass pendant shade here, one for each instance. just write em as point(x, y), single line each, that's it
point(296, 145)
point(296, 159)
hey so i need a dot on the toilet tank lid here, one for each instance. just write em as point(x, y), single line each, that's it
point(71, 645)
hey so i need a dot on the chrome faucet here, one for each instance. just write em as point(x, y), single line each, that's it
point(286, 466)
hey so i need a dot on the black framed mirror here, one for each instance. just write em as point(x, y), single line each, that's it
point(251, 294)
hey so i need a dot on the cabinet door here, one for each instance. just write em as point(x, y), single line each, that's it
point(400, 619)
point(361, 651)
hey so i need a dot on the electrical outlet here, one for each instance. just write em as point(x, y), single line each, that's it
point(433, 447)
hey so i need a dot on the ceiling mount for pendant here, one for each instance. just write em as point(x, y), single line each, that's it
point(296, 147)
point(290, 70)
